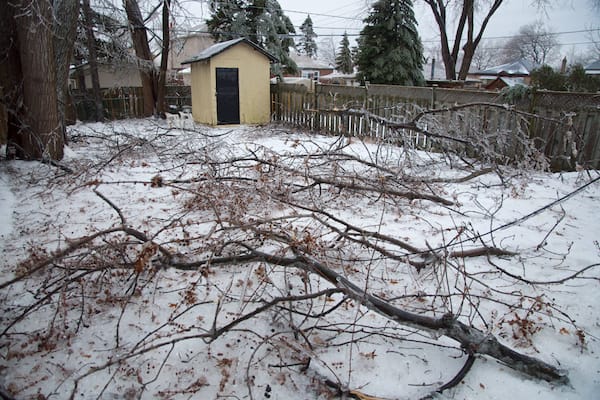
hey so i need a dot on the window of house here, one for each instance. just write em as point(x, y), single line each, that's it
point(314, 75)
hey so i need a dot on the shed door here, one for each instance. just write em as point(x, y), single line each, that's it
point(228, 96)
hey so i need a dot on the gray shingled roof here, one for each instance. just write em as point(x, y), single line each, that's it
point(519, 67)
point(595, 66)
point(218, 48)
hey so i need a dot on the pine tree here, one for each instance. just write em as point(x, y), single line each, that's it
point(307, 44)
point(261, 21)
point(343, 60)
point(390, 50)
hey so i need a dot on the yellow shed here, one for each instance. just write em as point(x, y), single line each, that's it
point(230, 83)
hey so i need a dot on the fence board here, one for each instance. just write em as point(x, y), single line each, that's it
point(126, 102)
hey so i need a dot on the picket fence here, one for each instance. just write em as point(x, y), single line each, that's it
point(565, 126)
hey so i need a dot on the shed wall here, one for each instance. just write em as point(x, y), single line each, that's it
point(203, 94)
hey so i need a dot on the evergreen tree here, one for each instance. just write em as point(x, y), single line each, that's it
point(343, 61)
point(307, 44)
point(224, 23)
point(390, 50)
point(261, 21)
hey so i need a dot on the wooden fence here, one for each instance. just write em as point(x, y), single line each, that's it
point(561, 124)
point(126, 102)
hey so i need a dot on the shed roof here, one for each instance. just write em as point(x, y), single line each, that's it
point(218, 48)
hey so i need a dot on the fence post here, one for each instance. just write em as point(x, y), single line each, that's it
point(364, 122)
point(317, 119)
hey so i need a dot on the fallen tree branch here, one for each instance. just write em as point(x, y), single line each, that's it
point(470, 338)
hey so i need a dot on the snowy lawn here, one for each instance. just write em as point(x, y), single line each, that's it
point(262, 262)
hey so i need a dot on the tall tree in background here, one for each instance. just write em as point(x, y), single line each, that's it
point(28, 79)
point(142, 51)
point(343, 61)
point(533, 43)
point(153, 82)
point(467, 34)
point(261, 21)
point(92, 60)
point(161, 91)
point(307, 44)
point(225, 15)
point(390, 50)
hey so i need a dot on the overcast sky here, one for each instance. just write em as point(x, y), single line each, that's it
point(332, 17)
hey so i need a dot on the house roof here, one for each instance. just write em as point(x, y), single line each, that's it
point(218, 48)
point(306, 62)
point(508, 81)
point(196, 30)
point(519, 67)
point(593, 68)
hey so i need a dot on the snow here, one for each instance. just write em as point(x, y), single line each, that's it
point(106, 333)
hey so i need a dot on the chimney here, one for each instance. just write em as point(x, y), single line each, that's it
point(563, 66)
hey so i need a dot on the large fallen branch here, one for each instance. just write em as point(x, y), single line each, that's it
point(471, 339)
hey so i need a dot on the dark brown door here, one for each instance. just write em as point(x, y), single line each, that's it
point(228, 96)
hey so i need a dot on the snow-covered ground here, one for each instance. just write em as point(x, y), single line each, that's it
point(108, 317)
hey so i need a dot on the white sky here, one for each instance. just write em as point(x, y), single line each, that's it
point(563, 16)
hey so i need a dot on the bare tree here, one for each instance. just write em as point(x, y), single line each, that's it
point(161, 104)
point(462, 24)
point(64, 33)
point(153, 82)
point(486, 56)
point(533, 42)
point(466, 33)
point(28, 78)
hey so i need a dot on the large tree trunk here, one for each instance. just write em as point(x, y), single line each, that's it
point(93, 61)
point(29, 79)
point(142, 51)
point(161, 104)
point(64, 32)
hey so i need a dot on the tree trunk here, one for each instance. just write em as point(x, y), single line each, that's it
point(64, 32)
point(93, 61)
point(142, 51)
point(28, 76)
point(161, 104)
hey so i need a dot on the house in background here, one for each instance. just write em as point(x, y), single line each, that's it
point(110, 76)
point(310, 68)
point(230, 83)
point(509, 74)
point(186, 46)
point(593, 68)
point(504, 81)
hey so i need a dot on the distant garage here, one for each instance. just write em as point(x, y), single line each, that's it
point(230, 83)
